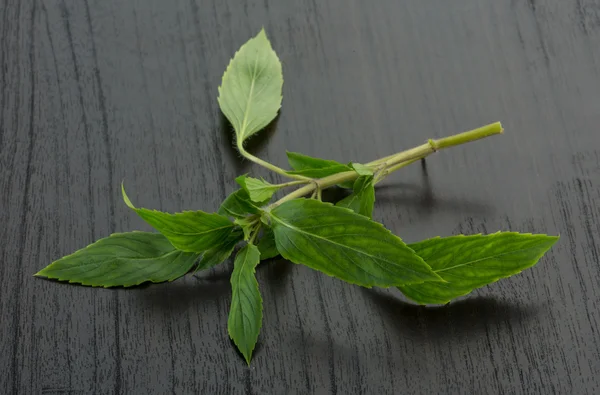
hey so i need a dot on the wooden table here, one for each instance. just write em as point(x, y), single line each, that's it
point(96, 92)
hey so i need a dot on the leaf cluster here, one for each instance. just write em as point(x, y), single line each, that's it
point(340, 240)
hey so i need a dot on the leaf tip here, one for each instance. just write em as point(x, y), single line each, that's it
point(553, 240)
point(44, 272)
point(245, 351)
point(549, 240)
point(262, 36)
point(241, 180)
point(262, 33)
point(125, 197)
point(436, 279)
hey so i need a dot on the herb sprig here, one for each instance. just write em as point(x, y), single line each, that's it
point(339, 240)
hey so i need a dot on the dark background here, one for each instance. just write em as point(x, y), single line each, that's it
point(94, 92)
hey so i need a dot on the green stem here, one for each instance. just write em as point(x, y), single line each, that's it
point(292, 183)
point(381, 160)
point(323, 183)
point(434, 145)
point(255, 234)
point(387, 171)
point(269, 166)
point(472, 135)
point(394, 162)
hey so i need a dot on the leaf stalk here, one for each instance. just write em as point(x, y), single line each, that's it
point(268, 165)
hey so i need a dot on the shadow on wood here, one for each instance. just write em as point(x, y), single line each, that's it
point(424, 199)
point(464, 317)
point(180, 295)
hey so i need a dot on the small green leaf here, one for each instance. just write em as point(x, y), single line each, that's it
point(122, 259)
point(258, 190)
point(362, 170)
point(469, 262)
point(345, 245)
point(245, 314)
point(239, 205)
point(362, 200)
point(267, 246)
point(250, 91)
point(308, 166)
point(247, 224)
point(219, 254)
point(192, 231)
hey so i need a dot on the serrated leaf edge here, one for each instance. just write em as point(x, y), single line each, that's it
point(40, 273)
point(494, 279)
point(228, 69)
point(248, 357)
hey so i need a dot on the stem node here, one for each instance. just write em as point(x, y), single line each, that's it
point(433, 145)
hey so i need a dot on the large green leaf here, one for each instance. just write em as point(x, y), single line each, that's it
point(308, 166)
point(219, 254)
point(345, 245)
point(192, 231)
point(122, 259)
point(239, 205)
point(245, 314)
point(267, 246)
point(258, 190)
point(250, 91)
point(362, 199)
point(469, 262)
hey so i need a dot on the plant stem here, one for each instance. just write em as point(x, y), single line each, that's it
point(323, 183)
point(397, 161)
point(269, 166)
point(291, 183)
point(435, 145)
point(386, 171)
point(255, 233)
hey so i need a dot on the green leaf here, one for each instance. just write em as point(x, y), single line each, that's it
point(192, 231)
point(219, 254)
point(346, 184)
point(122, 259)
point(345, 245)
point(362, 200)
point(245, 314)
point(258, 190)
point(239, 205)
point(247, 224)
point(308, 166)
point(362, 169)
point(250, 92)
point(469, 262)
point(267, 246)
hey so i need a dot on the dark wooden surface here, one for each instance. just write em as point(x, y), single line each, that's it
point(94, 92)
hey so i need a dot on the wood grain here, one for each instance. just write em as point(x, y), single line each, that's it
point(96, 92)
